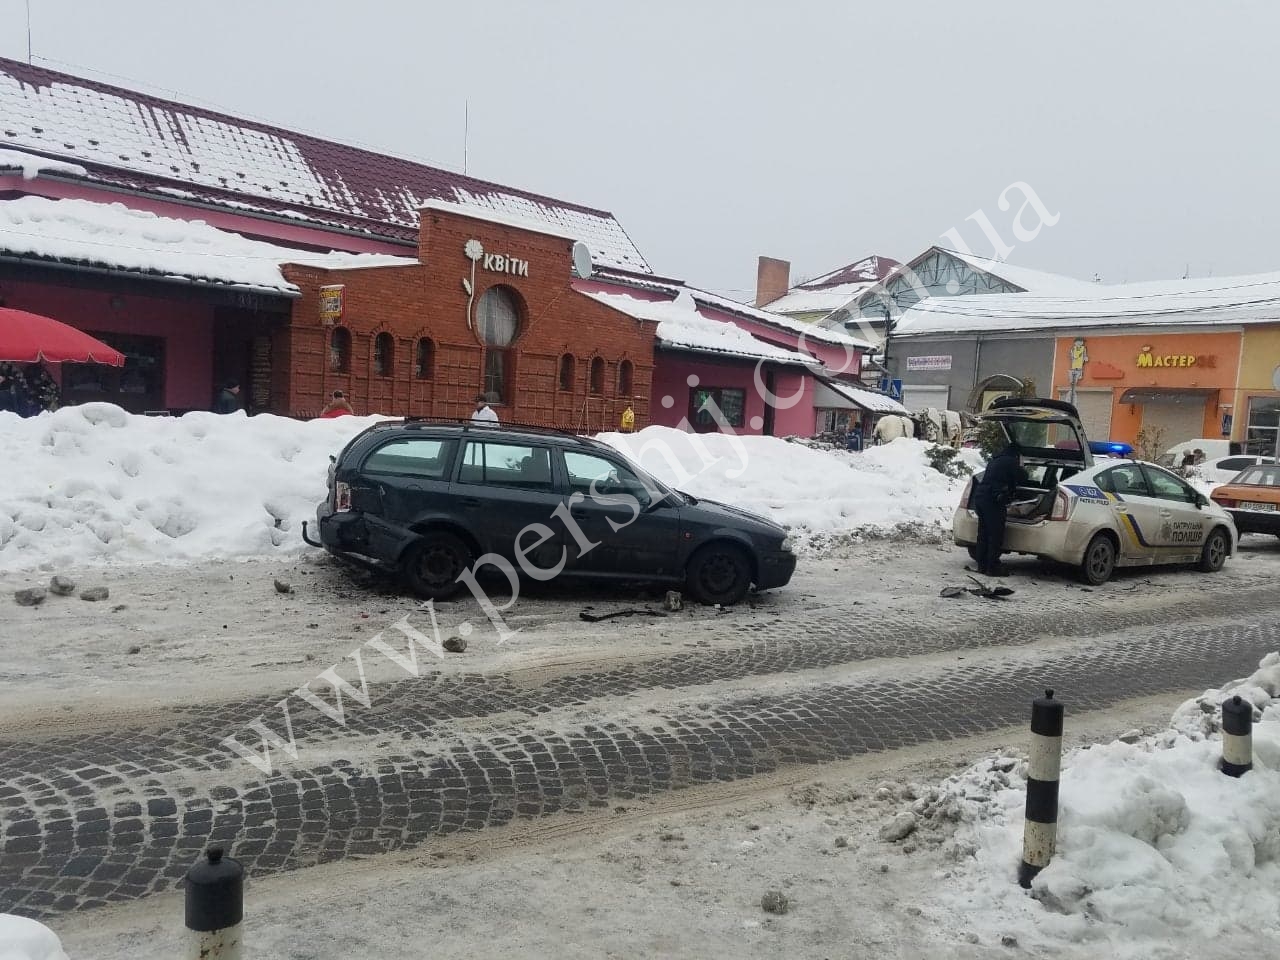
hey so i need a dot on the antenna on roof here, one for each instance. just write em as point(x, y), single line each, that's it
point(28, 32)
point(466, 130)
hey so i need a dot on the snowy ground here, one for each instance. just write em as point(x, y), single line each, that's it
point(93, 482)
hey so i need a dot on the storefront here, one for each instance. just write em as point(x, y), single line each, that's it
point(1255, 415)
point(1161, 388)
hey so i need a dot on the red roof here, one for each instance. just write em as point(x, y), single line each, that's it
point(132, 140)
point(867, 270)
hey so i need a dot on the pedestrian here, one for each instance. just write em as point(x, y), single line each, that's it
point(628, 419)
point(229, 399)
point(338, 406)
point(990, 499)
point(855, 437)
point(43, 388)
point(483, 413)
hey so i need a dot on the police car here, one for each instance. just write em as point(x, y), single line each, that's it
point(1095, 515)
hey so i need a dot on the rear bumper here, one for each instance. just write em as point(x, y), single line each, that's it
point(775, 570)
point(1062, 541)
point(1256, 521)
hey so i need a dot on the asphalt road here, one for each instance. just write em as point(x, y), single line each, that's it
point(91, 814)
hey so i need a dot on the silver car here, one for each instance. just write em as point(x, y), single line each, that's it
point(1096, 516)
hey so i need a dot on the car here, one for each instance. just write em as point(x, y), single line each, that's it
point(429, 499)
point(1253, 499)
point(1207, 447)
point(1095, 515)
point(1225, 469)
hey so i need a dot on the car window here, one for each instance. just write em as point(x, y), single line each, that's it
point(412, 457)
point(507, 465)
point(586, 469)
point(1125, 479)
point(1260, 477)
point(1166, 486)
point(1236, 463)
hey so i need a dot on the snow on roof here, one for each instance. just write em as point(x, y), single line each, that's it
point(32, 165)
point(867, 399)
point(133, 140)
point(746, 311)
point(867, 270)
point(833, 290)
point(532, 224)
point(1032, 281)
point(1190, 302)
point(682, 327)
point(112, 235)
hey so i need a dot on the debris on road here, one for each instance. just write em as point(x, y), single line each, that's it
point(629, 612)
point(30, 597)
point(95, 593)
point(455, 644)
point(283, 586)
point(62, 586)
point(775, 902)
point(900, 827)
point(674, 600)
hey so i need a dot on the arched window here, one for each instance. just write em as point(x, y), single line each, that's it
point(424, 360)
point(624, 379)
point(384, 355)
point(597, 376)
point(567, 364)
point(340, 350)
point(498, 321)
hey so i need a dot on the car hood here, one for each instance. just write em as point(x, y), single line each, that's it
point(712, 511)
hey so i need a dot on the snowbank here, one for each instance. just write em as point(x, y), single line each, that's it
point(1153, 841)
point(93, 483)
point(23, 939)
point(823, 495)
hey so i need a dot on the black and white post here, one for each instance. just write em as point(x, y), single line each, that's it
point(1237, 736)
point(215, 908)
point(1041, 830)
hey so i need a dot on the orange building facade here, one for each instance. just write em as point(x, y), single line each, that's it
point(1168, 385)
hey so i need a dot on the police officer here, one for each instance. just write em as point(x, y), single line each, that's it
point(991, 497)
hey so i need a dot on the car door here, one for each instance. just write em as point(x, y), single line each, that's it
point(614, 514)
point(1136, 513)
point(502, 489)
point(1183, 525)
point(400, 482)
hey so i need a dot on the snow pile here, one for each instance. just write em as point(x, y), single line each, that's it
point(825, 496)
point(33, 165)
point(112, 235)
point(1154, 841)
point(92, 482)
point(23, 939)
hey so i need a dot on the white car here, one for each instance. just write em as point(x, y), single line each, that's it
point(1096, 516)
point(1225, 469)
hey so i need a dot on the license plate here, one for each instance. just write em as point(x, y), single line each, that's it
point(1265, 507)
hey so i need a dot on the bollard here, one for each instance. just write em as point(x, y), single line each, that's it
point(1237, 736)
point(215, 907)
point(1041, 829)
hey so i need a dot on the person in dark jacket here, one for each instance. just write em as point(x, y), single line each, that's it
point(991, 497)
point(229, 399)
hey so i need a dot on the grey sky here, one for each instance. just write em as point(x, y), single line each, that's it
point(814, 130)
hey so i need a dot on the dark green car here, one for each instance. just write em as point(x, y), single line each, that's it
point(430, 500)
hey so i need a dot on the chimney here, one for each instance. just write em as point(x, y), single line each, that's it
point(773, 279)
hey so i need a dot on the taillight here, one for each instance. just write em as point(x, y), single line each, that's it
point(1224, 501)
point(341, 497)
point(964, 497)
point(1061, 506)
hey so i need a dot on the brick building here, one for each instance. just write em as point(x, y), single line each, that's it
point(489, 308)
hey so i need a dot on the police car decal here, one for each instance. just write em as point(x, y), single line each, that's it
point(1088, 493)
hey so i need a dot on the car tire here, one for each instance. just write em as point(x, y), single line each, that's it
point(719, 573)
point(431, 566)
point(1099, 560)
point(1214, 553)
point(973, 553)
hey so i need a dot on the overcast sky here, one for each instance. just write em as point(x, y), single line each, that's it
point(816, 131)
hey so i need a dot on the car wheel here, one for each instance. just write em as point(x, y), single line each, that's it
point(432, 565)
point(1214, 554)
point(1099, 560)
point(719, 573)
point(973, 553)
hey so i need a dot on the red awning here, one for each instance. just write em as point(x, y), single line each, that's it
point(30, 338)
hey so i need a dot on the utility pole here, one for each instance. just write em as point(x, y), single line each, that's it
point(888, 334)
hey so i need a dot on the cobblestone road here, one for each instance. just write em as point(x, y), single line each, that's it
point(91, 818)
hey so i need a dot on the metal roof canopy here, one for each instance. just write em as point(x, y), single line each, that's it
point(1136, 395)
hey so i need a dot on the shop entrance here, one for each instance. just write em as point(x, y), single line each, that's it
point(1178, 421)
point(1094, 407)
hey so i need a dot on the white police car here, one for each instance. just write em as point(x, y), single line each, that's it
point(1096, 515)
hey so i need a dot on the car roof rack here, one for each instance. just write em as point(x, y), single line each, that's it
point(467, 424)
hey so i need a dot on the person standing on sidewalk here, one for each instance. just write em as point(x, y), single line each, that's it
point(990, 498)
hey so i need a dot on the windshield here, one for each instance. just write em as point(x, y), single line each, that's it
point(1259, 477)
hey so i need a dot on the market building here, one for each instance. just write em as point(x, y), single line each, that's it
point(1163, 361)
